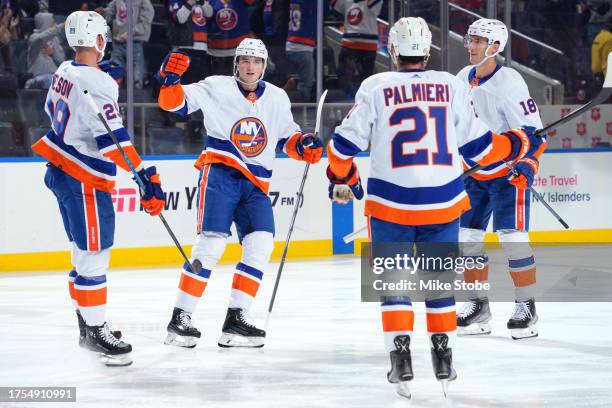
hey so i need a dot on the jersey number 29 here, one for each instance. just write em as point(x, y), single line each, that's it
point(420, 157)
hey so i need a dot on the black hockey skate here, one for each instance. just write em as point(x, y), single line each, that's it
point(522, 324)
point(401, 365)
point(442, 360)
point(473, 318)
point(113, 352)
point(82, 331)
point(238, 332)
point(181, 331)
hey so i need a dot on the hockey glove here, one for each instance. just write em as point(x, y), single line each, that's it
point(524, 142)
point(309, 147)
point(113, 69)
point(172, 68)
point(523, 172)
point(152, 198)
point(342, 190)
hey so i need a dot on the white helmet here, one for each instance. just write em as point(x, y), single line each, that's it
point(493, 30)
point(251, 47)
point(84, 27)
point(409, 37)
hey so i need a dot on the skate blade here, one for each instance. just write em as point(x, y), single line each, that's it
point(526, 333)
point(403, 389)
point(117, 360)
point(236, 340)
point(174, 339)
point(445, 382)
point(474, 329)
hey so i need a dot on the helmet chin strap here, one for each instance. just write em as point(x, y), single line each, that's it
point(487, 56)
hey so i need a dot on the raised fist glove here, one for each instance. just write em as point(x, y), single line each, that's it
point(152, 198)
point(342, 190)
point(172, 68)
point(523, 172)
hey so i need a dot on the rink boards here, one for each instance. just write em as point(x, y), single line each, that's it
point(576, 183)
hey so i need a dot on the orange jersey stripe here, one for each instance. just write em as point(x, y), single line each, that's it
point(213, 157)
point(244, 284)
point(524, 278)
point(441, 322)
point(200, 36)
point(202, 198)
point(72, 169)
point(416, 217)
point(91, 219)
point(340, 167)
point(520, 209)
point(302, 40)
point(224, 44)
point(130, 151)
point(192, 286)
point(500, 150)
point(90, 298)
point(171, 97)
point(359, 45)
point(398, 320)
point(475, 274)
point(483, 177)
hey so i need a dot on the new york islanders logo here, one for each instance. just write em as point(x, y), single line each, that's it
point(355, 16)
point(249, 136)
point(227, 19)
point(197, 16)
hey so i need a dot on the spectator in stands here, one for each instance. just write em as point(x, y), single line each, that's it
point(228, 26)
point(194, 14)
point(600, 14)
point(45, 51)
point(9, 21)
point(274, 16)
point(143, 14)
point(359, 41)
point(301, 42)
point(602, 46)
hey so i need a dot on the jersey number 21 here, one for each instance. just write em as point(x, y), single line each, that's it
point(440, 157)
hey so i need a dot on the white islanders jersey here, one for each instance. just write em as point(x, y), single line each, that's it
point(503, 102)
point(416, 124)
point(78, 142)
point(242, 132)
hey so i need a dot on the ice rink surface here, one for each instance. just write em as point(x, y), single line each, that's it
point(324, 348)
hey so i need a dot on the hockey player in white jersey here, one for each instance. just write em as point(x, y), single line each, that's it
point(246, 120)
point(501, 99)
point(417, 125)
point(81, 168)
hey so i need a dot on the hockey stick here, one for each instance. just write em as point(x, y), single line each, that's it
point(300, 198)
point(540, 198)
point(95, 108)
